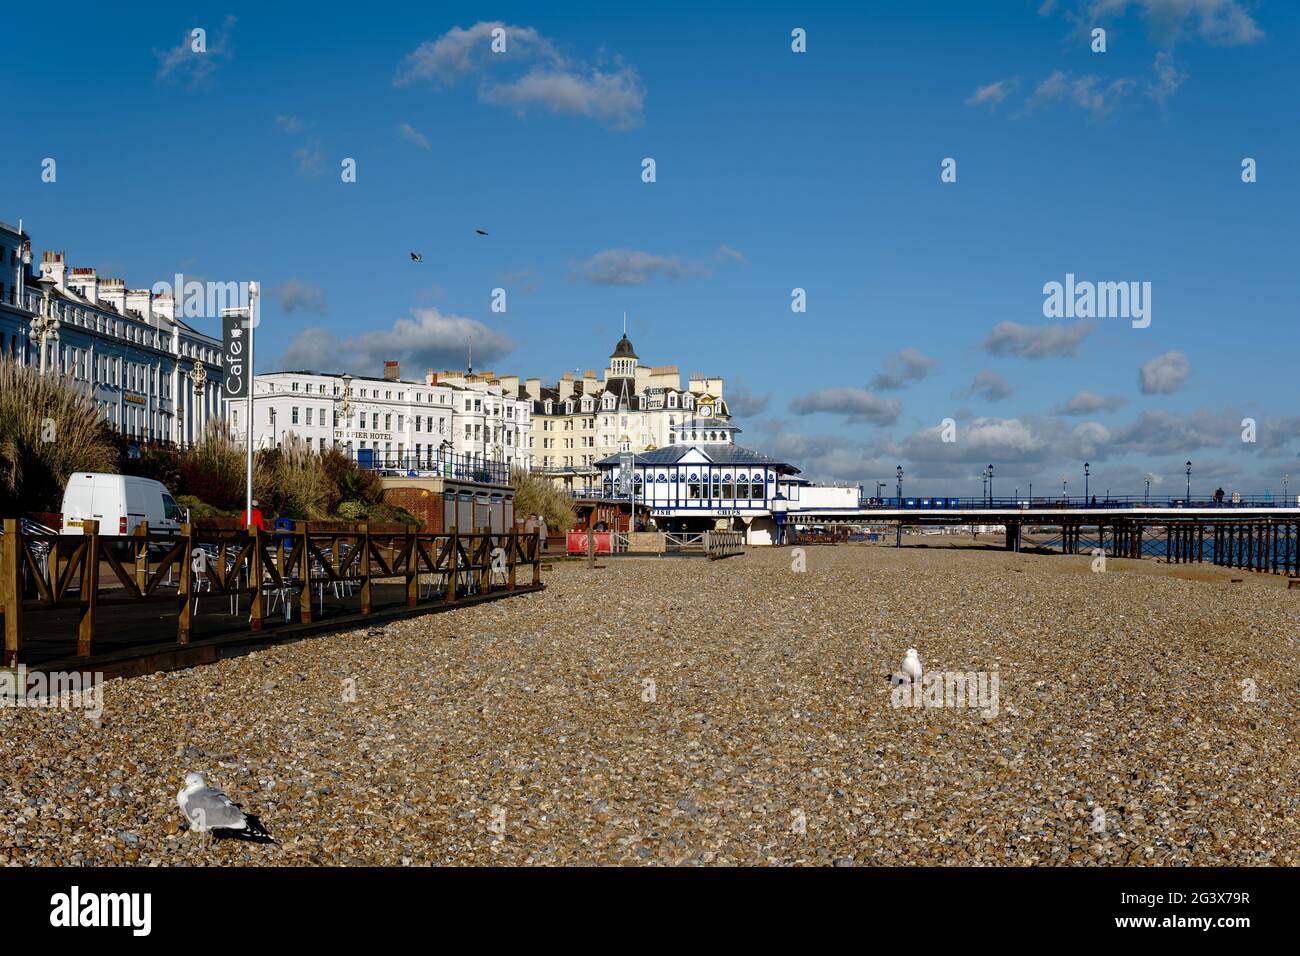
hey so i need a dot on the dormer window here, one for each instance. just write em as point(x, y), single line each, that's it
point(548, 407)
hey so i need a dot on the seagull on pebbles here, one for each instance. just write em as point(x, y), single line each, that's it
point(209, 810)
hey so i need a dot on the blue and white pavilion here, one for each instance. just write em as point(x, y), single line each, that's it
point(696, 485)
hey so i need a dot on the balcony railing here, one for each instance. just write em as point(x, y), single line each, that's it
point(427, 464)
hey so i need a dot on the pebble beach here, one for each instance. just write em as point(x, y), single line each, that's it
point(675, 711)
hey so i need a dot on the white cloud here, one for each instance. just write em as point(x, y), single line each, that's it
point(633, 267)
point(308, 158)
point(609, 94)
point(1056, 340)
point(988, 385)
point(909, 365)
point(290, 124)
point(1222, 22)
point(992, 94)
point(182, 62)
point(412, 135)
point(1088, 93)
point(856, 404)
point(1164, 373)
point(429, 339)
point(1168, 78)
point(1084, 402)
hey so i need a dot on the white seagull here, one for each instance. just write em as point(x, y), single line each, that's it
point(912, 665)
point(209, 810)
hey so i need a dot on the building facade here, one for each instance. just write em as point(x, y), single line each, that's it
point(394, 423)
point(697, 486)
point(630, 407)
point(153, 377)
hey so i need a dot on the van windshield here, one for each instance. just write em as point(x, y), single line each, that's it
point(170, 511)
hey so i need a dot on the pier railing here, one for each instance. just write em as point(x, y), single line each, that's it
point(218, 559)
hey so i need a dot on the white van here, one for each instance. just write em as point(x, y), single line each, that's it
point(119, 503)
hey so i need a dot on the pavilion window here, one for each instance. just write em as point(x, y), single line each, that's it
point(728, 490)
point(695, 491)
point(758, 491)
point(742, 490)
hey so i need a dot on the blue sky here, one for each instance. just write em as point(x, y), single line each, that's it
point(775, 170)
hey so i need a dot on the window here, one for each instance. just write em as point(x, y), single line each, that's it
point(388, 423)
point(399, 423)
point(295, 415)
point(309, 415)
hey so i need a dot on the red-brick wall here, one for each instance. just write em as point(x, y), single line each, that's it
point(424, 504)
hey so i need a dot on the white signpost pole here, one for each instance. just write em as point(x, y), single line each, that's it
point(252, 381)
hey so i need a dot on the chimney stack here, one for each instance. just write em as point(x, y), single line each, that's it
point(392, 371)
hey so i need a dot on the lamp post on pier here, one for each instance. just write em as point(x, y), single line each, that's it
point(898, 533)
point(990, 486)
point(1189, 482)
point(1086, 473)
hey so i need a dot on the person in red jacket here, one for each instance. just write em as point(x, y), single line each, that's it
point(256, 520)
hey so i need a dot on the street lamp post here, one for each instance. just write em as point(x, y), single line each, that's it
point(1086, 473)
point(1286, 482)
point(1064, 485)
point(898, 532)
point(1189, 482)
point(990, 486)
point(779, 506)
point(1147, 496)
point(199, 379)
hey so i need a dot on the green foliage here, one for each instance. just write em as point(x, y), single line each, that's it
point(536, 495)
point(351, 482)
point(49, 428)
point(214, 470)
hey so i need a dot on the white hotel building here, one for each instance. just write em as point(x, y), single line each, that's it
point(400, 424)
point(128, 347)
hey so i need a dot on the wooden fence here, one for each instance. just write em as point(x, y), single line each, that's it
point(44, 571)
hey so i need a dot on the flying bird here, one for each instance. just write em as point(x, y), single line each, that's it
point(481, 232)
point(209, 810)
point(912, 665)
point(416, 257)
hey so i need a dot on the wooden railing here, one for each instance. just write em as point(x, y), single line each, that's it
point(723, 544)
point(44, 571)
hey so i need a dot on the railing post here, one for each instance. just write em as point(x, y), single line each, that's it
point(453, 552)
point(304, 572)
point(11, 590)
point(412, 568)
point(185, 589)
point(537, 557)
point(511, 553)
point(255, 579)
point(366, 604)
point(89, 588)
point(485, 560)
point(142, 556)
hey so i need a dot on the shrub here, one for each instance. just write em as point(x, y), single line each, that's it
point(536, 495)
point(214, 470)
point(49, 428)
point(351, 482)
point(293, 482)
point(201, 509)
